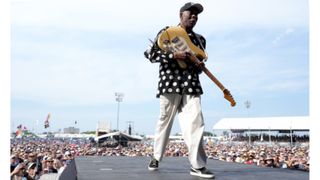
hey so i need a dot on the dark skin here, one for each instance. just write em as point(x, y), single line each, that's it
point(188, 19)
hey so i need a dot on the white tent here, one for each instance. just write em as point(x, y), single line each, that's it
point(294, 123)
point(119, 136)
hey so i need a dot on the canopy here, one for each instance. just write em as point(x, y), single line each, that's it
point(295, 123)
point(118, 136)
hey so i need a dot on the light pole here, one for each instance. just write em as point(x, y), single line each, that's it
point(248, 104)
point(119, 98)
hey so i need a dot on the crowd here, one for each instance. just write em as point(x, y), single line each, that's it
point(275, 156)
point(273, 138)
point(31, 158)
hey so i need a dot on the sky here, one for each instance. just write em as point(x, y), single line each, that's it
point(69, 58)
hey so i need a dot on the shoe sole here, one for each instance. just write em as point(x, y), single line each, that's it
point(202, 175)
point(152, 169)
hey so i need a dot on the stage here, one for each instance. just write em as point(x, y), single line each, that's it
point(175, 168)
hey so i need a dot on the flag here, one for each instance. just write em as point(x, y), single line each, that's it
point(19, 131)
point(46, 122)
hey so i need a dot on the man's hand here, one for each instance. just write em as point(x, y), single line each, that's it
point(199, 64)
point(181, 55)
point(184, 55)
point(18, 168)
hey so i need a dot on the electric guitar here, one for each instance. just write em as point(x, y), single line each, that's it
point(175, 39)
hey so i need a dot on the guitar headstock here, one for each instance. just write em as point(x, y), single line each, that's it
point(228, 96)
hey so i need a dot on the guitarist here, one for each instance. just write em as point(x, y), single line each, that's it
point(179, 92)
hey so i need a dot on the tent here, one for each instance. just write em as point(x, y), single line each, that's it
point(294, 123)
point(113, 139)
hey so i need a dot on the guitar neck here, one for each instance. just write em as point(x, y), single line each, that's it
point(213, 78)
point(225, 91)
point(207, 72)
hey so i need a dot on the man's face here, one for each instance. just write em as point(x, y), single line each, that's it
point(189, 18)
point(12, 160)
point(31, 157)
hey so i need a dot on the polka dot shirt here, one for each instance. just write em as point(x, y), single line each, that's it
point(172, 78)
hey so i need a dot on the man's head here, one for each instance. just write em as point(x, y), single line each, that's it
point(49, 162)
point(32, 157)
point(189, 15)
point(191, 5)
point(31, 169)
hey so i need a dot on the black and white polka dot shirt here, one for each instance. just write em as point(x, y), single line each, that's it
point(172, 78)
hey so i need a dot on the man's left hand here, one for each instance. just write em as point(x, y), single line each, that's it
point(199, 64)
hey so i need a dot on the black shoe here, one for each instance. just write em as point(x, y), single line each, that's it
point(203, 172)
point(153, 165)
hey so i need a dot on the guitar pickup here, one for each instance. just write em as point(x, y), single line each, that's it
point(175, 40)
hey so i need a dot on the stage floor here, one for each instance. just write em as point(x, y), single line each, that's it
point(175, 168)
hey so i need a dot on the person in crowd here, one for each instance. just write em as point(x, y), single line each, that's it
point(19, 172)
point(49, 166)
point(14, 161)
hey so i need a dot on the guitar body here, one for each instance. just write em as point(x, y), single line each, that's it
point(176, 39)
point(168, 36)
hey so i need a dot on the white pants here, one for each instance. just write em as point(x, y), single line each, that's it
point(191, 123)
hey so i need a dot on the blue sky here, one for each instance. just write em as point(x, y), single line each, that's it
point(70, 57)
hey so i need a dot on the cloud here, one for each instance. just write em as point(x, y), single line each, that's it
point(283, 35)
point(148, 16)
point(77, 75)
point(287, 85)
point(247, 63)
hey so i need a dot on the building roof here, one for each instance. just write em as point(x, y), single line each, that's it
point(295, 123)
point(118, 135)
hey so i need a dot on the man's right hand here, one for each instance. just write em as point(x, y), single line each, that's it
point(181, 55)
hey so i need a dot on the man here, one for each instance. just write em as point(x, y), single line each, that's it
point(179, 91)
point(49, 166)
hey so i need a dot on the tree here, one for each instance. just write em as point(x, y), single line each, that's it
point(207, 133)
